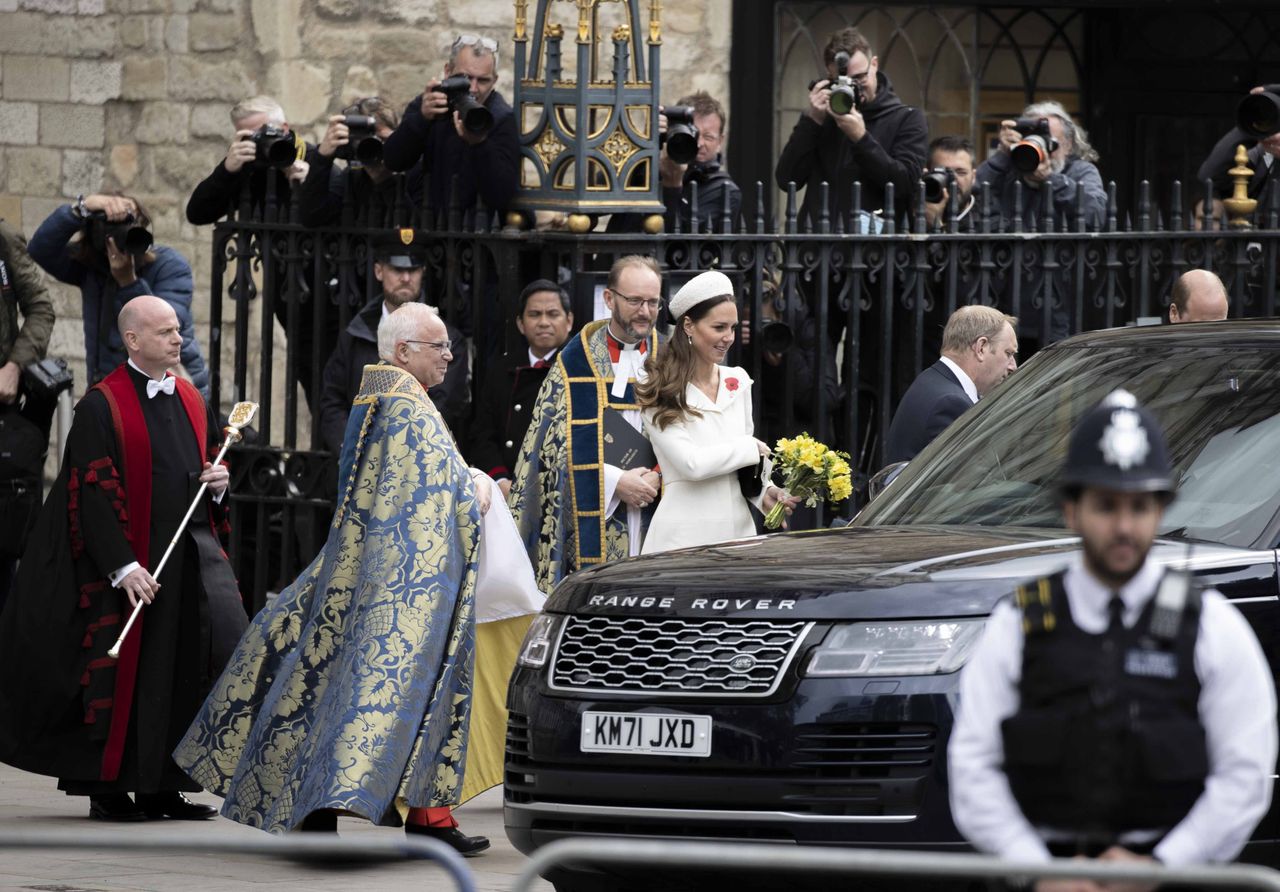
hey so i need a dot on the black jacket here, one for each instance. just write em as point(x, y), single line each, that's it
point(893, 150)
point(218, 194)
point(1223, 157)
point(323, 193)
point(358, 347)
point(490, 170)
point(998, 170)
point(713, 182)
point(933, 401)
point(503, 411)
point(781, 417)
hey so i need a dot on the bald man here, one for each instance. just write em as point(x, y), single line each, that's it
point(1198, 296)
point(136, 453)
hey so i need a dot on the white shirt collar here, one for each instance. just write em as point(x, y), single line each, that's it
point(1090, 598)
point(534, 358)
point(133, 365)
point(966, 382)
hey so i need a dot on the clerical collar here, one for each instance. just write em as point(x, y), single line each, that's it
point(133, 365)
point(616, 347)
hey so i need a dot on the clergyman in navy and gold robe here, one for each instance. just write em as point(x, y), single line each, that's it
point(352, 690)
point(562, 497)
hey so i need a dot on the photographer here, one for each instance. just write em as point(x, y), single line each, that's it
point(322, 196)
point(878, 141)
point(705, 118)
point(1069, 163)
point(951, 161)
point(445, 129)
point(707, 170)
point(1263, 151)
point(219, 193)
point(24, 419)
point(81, 245)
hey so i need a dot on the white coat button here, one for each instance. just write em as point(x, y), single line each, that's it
point(510, 444)
point(518, 407)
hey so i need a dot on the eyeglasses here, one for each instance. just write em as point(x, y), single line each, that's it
point(442, 346)
point(635, 303)
point(485, 43)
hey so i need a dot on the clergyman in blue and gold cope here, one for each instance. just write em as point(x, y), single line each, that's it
point(567, 511)
point(352, 690)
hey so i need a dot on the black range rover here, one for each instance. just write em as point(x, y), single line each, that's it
point(799, 688)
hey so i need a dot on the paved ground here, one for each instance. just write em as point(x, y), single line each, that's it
point(29, 802)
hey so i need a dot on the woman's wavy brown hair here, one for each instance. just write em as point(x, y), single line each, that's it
point(670, 369)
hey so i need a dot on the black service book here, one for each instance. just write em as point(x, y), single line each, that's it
point(624, 446)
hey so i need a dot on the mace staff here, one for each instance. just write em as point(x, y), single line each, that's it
point(241, 415)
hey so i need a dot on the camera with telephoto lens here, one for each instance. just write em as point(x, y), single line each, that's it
point(681, 138)
point(457, 89)
point(276, 146)
point(939, 183)
point(846, 93)
point(1036, 145)
point(1259, 113)
point(128, 234)
point(776, 337)
point(363, 143)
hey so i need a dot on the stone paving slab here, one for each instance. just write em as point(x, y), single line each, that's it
point(30, 802)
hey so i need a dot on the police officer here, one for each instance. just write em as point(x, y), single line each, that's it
point(1114, 710)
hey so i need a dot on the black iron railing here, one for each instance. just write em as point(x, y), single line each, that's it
point(864, 309)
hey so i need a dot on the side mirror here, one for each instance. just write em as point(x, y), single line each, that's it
point(883, 478)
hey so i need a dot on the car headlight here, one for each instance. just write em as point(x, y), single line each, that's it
point(910, 647)
point(537, 641)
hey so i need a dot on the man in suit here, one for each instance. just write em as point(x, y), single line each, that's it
point(505, 404)
point(1198, 296)
point(979, 350)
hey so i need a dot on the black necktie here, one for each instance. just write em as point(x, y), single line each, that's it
point(1115, 610)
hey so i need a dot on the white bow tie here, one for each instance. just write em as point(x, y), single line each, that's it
point(154, 387)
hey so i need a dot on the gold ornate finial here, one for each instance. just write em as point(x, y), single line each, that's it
point(1239, 206)
point(621, 34)
point(522, 15)
point(655, 21)
point(579, 223)
point(554, 31)
point(585, 8)
point(653, 224)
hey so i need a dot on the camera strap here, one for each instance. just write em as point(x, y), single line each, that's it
point(6, 286)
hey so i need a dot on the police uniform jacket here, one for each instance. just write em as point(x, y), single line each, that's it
point(1235, 704)
point(503, 410)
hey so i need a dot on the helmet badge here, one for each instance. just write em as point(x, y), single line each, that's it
point(1124, 442)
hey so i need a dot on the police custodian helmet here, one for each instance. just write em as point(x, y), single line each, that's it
point(1118, 445)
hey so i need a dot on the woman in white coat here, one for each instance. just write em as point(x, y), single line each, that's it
point(697, 415)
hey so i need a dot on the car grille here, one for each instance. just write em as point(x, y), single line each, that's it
point(674, 657)
point(864, 750)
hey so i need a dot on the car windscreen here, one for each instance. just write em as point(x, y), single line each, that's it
point(998, 465)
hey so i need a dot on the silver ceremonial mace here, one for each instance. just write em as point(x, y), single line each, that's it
point(241, 415)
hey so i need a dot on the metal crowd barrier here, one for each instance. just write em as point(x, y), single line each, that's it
point(317, 848)
point(881, 863)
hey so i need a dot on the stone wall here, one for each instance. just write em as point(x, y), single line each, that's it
point(134, 94)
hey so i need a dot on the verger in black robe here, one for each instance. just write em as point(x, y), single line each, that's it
point(66, 708)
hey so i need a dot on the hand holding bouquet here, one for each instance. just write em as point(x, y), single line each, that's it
point(812, 472)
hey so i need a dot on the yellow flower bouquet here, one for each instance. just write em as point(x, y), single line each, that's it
point(811, 471)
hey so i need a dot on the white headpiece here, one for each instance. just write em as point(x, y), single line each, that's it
point(703, 286)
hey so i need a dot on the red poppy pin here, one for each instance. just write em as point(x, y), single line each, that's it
point(731, 384)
